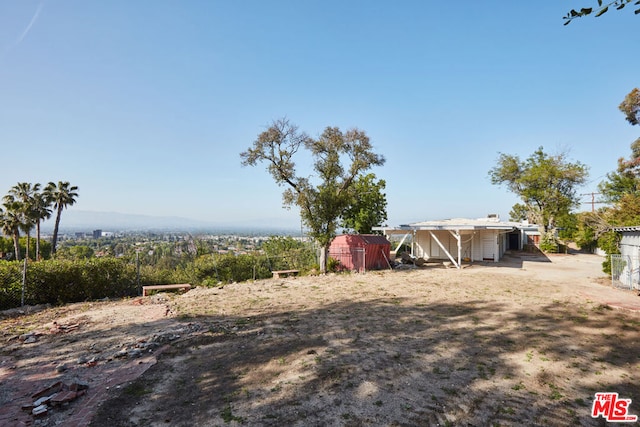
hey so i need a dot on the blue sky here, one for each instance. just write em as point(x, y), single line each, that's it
point(146, 105)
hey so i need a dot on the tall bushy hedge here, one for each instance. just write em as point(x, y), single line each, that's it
point(227, 268)
point(10, 284)
point(286, 253)
point(62, 281)
point(65, 281)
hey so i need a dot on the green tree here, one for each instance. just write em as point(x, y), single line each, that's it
point(520, 212)
point(22, 196)
point(368, 207)
point(10, 223)
point(625, 180)
point(285, 252)
point(41, 209)
point(590, 226)
point(77, 252)
point(546, 184)
point(323, 203)
point(630, 106)
point(621, 189)
point(61, 195)
point(567, 226)
point(626, 212)
point(5, 242)
point(600, 10)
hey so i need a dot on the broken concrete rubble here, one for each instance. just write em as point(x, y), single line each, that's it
point(58, 399)
point(58, 328)
point(53, 388)
point(63, 397)
point(40, 410)
point(56, 394)
point(148, 345)
point(29, 338)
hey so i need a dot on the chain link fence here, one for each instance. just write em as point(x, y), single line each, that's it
point(62, 281)
point(625, 271)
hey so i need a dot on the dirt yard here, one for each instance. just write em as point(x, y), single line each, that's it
point(526, 342)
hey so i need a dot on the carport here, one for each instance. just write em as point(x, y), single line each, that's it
point(458, 239)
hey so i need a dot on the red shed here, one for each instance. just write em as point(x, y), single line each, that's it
point(361, 252)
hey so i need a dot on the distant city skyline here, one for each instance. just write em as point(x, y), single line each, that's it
point(79, 221)
point(146, 106)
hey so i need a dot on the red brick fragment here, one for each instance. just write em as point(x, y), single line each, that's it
point(63, 397)
point(78, 386)
point(53, 388)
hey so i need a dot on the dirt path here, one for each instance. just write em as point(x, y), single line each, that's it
point(528, 342)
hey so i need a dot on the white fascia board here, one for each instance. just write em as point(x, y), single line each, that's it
point(392, 229)
point(630, 228)
point(447, 227)
point(500, 228)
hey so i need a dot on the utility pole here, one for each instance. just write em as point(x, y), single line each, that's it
point(593, 200)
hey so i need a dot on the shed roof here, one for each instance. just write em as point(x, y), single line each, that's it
point(369, 239)
point(374, 239)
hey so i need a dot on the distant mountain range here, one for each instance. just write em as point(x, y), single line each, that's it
point(86, 221)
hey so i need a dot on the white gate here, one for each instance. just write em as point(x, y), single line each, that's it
point(625, 271)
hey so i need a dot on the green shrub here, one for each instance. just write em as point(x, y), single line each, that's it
point(10, 284)
point(66, 281)
point(549, 243)
point(609, 242)
point(228, 268)
point(333, 265)
point(76, 278)
point(287, 253)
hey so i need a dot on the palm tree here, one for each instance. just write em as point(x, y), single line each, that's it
point(60, 196)
point(41, 211)
point(10, 223)
point(23, 194)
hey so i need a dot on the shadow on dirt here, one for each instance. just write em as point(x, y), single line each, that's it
point(510, 259)
point(388, 362)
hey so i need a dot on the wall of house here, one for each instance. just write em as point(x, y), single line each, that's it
point(630, 243)
point(530, 239)
point(630, 247)
point(503, 243)
point(490, 245)
point(427, 248)
point(478, 245)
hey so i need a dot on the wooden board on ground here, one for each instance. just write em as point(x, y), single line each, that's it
point(180, 287)
point(278, 273)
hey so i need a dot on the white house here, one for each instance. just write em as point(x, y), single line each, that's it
point(462, 239)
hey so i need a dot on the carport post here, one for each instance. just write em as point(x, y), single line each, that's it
point(413, 242)
point(459, 239)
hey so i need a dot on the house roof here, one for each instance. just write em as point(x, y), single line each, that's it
point(631, 228)
point(457, 224)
